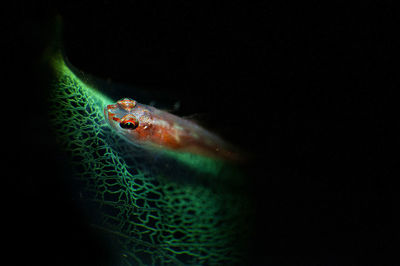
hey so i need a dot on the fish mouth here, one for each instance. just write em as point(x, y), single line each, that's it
point(116, 112)
point(113, 113)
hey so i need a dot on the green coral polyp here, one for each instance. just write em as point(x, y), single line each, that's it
point(150, 220)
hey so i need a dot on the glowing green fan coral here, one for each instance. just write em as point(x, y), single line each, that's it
point(149, 219)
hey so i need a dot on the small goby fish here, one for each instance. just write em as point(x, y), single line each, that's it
point(146, 125)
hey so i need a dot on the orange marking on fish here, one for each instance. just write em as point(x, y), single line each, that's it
point(143, 124)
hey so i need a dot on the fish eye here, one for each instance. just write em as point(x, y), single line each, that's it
point(129, 122)
point(128, 125)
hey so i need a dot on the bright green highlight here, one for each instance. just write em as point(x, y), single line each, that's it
point(149, 220)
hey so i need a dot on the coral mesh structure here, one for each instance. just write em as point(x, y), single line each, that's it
point(149, 220)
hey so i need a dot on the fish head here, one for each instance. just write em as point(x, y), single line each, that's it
point(128, 117)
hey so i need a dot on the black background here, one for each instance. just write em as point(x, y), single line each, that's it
point(307, 88)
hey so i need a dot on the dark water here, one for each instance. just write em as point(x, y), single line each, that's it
point(306, 89)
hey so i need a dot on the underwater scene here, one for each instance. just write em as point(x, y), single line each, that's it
point(194, 133)
point(162, 190)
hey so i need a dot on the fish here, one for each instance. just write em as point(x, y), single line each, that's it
point(147, 126)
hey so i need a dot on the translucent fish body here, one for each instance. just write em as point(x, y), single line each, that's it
point(146, 125)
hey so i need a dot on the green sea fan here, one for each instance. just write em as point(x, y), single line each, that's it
point(149, 217)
